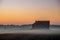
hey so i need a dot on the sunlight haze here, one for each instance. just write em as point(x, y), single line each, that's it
point(27, 11)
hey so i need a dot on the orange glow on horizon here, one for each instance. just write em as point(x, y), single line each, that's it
point(28, 13)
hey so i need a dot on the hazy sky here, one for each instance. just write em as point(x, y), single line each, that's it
point(27, 11)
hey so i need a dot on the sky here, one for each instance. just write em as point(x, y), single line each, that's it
point(27, 11)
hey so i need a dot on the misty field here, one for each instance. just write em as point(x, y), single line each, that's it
point(29, 34)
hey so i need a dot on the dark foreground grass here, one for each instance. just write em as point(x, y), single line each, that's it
point(29, 37)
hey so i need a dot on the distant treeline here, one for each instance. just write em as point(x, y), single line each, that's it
point(16, 26)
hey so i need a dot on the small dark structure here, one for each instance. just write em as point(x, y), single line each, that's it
point(41, 25)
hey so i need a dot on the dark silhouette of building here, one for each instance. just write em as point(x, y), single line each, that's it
point(41, 25)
